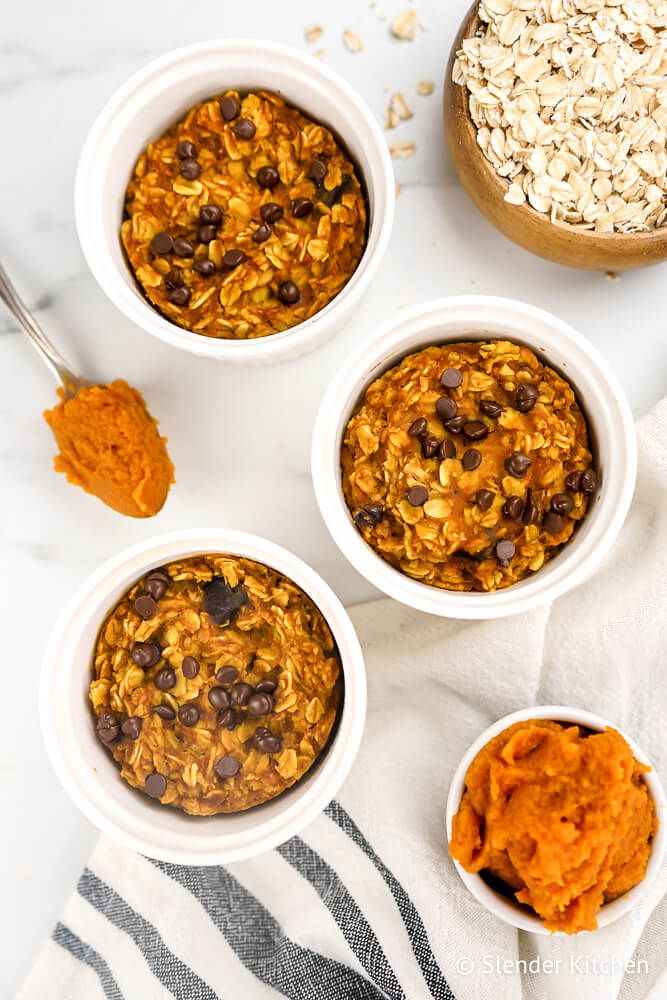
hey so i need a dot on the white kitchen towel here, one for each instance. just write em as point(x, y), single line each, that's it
point(366, 904)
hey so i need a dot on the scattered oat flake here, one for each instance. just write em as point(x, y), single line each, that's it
point(401, 106)
point(425, 88)
point(313, 32)
point(353, 41)
point(405, 25)
point(402, 150)
point(391, 119)
point(612, 276)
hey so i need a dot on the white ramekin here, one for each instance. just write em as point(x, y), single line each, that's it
point(505, 908)
point(600, 394)
point(156, 97)
point(90, 775)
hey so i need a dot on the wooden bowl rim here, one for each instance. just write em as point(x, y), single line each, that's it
point(460, 97)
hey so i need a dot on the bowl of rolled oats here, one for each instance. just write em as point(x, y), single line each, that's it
point(556, 119)
point(477, 459)
point(235, 198)
point(203, 696)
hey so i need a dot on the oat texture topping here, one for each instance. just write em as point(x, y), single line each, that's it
point(467, 466)
point(569, 99)
point(216, 684)
point(244, 219)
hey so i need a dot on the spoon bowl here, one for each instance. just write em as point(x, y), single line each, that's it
point(555, 241)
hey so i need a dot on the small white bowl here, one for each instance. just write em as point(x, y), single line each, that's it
point(600, 394)
point(507, 909)
point(156, 97)
point(91, 777)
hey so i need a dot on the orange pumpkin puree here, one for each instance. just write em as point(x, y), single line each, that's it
point(109, 445)
point(564, 818)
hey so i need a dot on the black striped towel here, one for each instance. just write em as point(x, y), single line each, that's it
point(365, 904)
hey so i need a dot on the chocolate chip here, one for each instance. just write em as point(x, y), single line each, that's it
point(241, 693)
point(476, 430)
point(446, 408)
point(165, 712)
point(471, 459)
point(317, 171)
point(108, 728)
point(145, 654)
point(210, 215)
point(525, 398)
point(288, 293)
point(589, 481)
point(262, 233)
point(204, 267)
point(162, 243)
point(226, 718)
point(164, 679)
point(189, 169)
point(417, 496)
point(265, 741)
point(573, 482)
point(218, 697)
point(268, 177)
point(331, 198)
point(227, 675)
point(430, 445)
point(207, 233)
point(301, 207)
point(159, 574)
point(133, 725)
point(266, 686)
point(190, 667)
point(490, 408)
point(186, 150)
point(156, 785)
point(232, 259)
point(417, 427)
point(230, 107)
point(513, 508)
point(260, 703)
point(455, 425)
point(451, 378)
point(244, 129)
point(484, 500)
point(226, 767)
point(553, 523)
point(155, 587)
point(530, 511)
point(179, 296)
point(562, 503)
point(505, 549)
point(271, 212)
point(447, 449)
point(369, 516)
point(145, 606)
point(518, 464)
point(221, 602)
point(183, 247)
point(174, 279)
point(188, 715)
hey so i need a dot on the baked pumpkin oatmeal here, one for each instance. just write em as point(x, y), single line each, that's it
point(561, 816)
point(244, 219)
point(216, 684)
point(467, 466)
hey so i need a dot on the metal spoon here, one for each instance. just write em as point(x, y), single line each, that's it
point(52, 358)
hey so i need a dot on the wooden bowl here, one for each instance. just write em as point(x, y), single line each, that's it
point(555, 241)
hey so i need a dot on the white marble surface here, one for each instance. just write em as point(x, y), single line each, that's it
point(239, 439)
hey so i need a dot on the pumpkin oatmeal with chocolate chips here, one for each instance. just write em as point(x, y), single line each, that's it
point(467, 465)
point(216, 684)
point(244, 219)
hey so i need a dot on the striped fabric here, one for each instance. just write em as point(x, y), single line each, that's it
point(365, 903)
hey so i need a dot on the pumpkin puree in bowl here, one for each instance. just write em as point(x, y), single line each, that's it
point(110, 446)
point(562, 817)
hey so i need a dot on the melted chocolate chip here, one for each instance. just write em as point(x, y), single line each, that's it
point(262, 233)
point(179, 296)
point(525, 398)
point(227, 718)
point(223, 603)
point(369, 516)
point(589, 481)
point(230, 107)
point(455, 425)
point(210, 215)
point(553, 523)
point(204, 267)
point(260, 703)
point(165, 712)
point(447, 449)
point(484, 500)
point(531, 511)
point(471, 459)
point(476, 430)
point(186, 150)
point(145, 654)
point(490, 408)
point(513, 508)
point(573, 482)
point(218, 697)
point(132, 727)
point(271, 212)
point(233, 258)
point(240, 694)
point(430, 445)
point(108, 728)
point(518, 464)
point(417, 427)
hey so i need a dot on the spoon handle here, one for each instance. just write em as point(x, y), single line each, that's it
point(51, 357)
